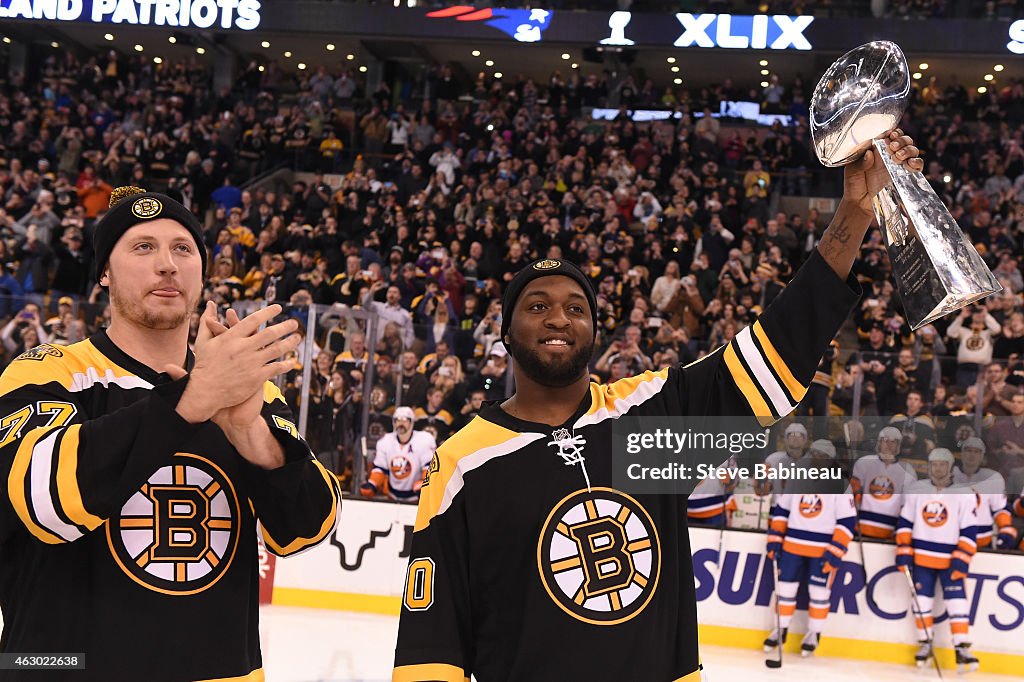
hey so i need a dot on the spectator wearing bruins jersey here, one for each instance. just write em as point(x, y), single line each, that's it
point(432, 417)
point(918, 432)
point(135, 472)
point(562, 577)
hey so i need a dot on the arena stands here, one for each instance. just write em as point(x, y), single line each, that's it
point(415, 211)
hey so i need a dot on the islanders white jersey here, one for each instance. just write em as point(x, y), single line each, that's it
point(937, 524)
point(811, 524)
point(404, 463)
point(879, 489)
point(711, 498)
point(990, 490)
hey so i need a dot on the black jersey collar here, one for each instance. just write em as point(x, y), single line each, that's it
point(103, 343)
point(491, 411)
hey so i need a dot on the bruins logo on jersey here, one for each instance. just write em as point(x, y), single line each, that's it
point(435, 466)
point(178, 534)
point(599, 556)
point(41, 352)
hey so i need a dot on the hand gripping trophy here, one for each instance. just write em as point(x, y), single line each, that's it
point(862, 97)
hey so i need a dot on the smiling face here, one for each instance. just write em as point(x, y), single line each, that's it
point(155, 275)
point(552, 331)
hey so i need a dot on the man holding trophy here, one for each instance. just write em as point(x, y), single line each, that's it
point(489, 596)
point(854, 112)
point(486, 593)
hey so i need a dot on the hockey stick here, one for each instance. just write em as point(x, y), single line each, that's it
point(919, 614)
point(868, 594)
point(771, 662)
point(721, 539)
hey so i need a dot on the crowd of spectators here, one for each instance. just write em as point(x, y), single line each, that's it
point(419, 210)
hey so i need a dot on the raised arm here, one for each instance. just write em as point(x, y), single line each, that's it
point(864, 179)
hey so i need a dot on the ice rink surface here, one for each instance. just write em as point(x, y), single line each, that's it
point(314, 645)
point(309, 645)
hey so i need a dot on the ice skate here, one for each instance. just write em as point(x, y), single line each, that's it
point(966, 662)
point(924, 652)
point(810, 644)
point(773, 640)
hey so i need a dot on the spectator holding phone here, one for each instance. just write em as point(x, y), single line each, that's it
point(489, 329)
point(24, 331)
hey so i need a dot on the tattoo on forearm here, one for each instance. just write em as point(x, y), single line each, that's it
point(835, 239)
point(840, 232)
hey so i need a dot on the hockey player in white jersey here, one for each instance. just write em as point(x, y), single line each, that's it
point(878, 482)
point(711, 503)
point(990, 490)
point(809, 535)
point(402, 460)
point(935, 540)
point(795, 438)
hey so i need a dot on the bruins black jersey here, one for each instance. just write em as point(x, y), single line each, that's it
point(519, 572)
point(128, 534)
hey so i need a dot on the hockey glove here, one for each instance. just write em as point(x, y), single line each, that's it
point(1007, 540)
point(904, 560)
point(774, 547)
point(368, 490)
point(958, 568)
point(832, 561)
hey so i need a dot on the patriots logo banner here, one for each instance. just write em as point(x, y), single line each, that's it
point(524, 25)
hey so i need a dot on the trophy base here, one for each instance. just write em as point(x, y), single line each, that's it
point(951, 304)
point(937, 270)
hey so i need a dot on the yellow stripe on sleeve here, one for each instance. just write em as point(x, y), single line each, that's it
point(796, 390)
point(67, 481)
point(623, 390)
point(743, 381)
point(16, 485)
point(429, 672)
point(479, 435)
point(299, 544)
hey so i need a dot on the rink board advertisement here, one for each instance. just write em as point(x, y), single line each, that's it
point(362, 568)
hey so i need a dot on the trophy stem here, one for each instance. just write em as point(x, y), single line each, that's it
point(937, 270)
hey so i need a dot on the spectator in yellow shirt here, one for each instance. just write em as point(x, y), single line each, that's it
point(756, 181)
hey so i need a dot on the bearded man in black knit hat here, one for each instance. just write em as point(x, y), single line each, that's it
point(526, 564)
point(135, 472)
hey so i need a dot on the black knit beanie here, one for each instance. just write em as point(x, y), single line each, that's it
point(130, 206)
point(544, 268)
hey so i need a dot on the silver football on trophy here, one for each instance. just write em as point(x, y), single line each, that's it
point(862, 96)
point(856, 103)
